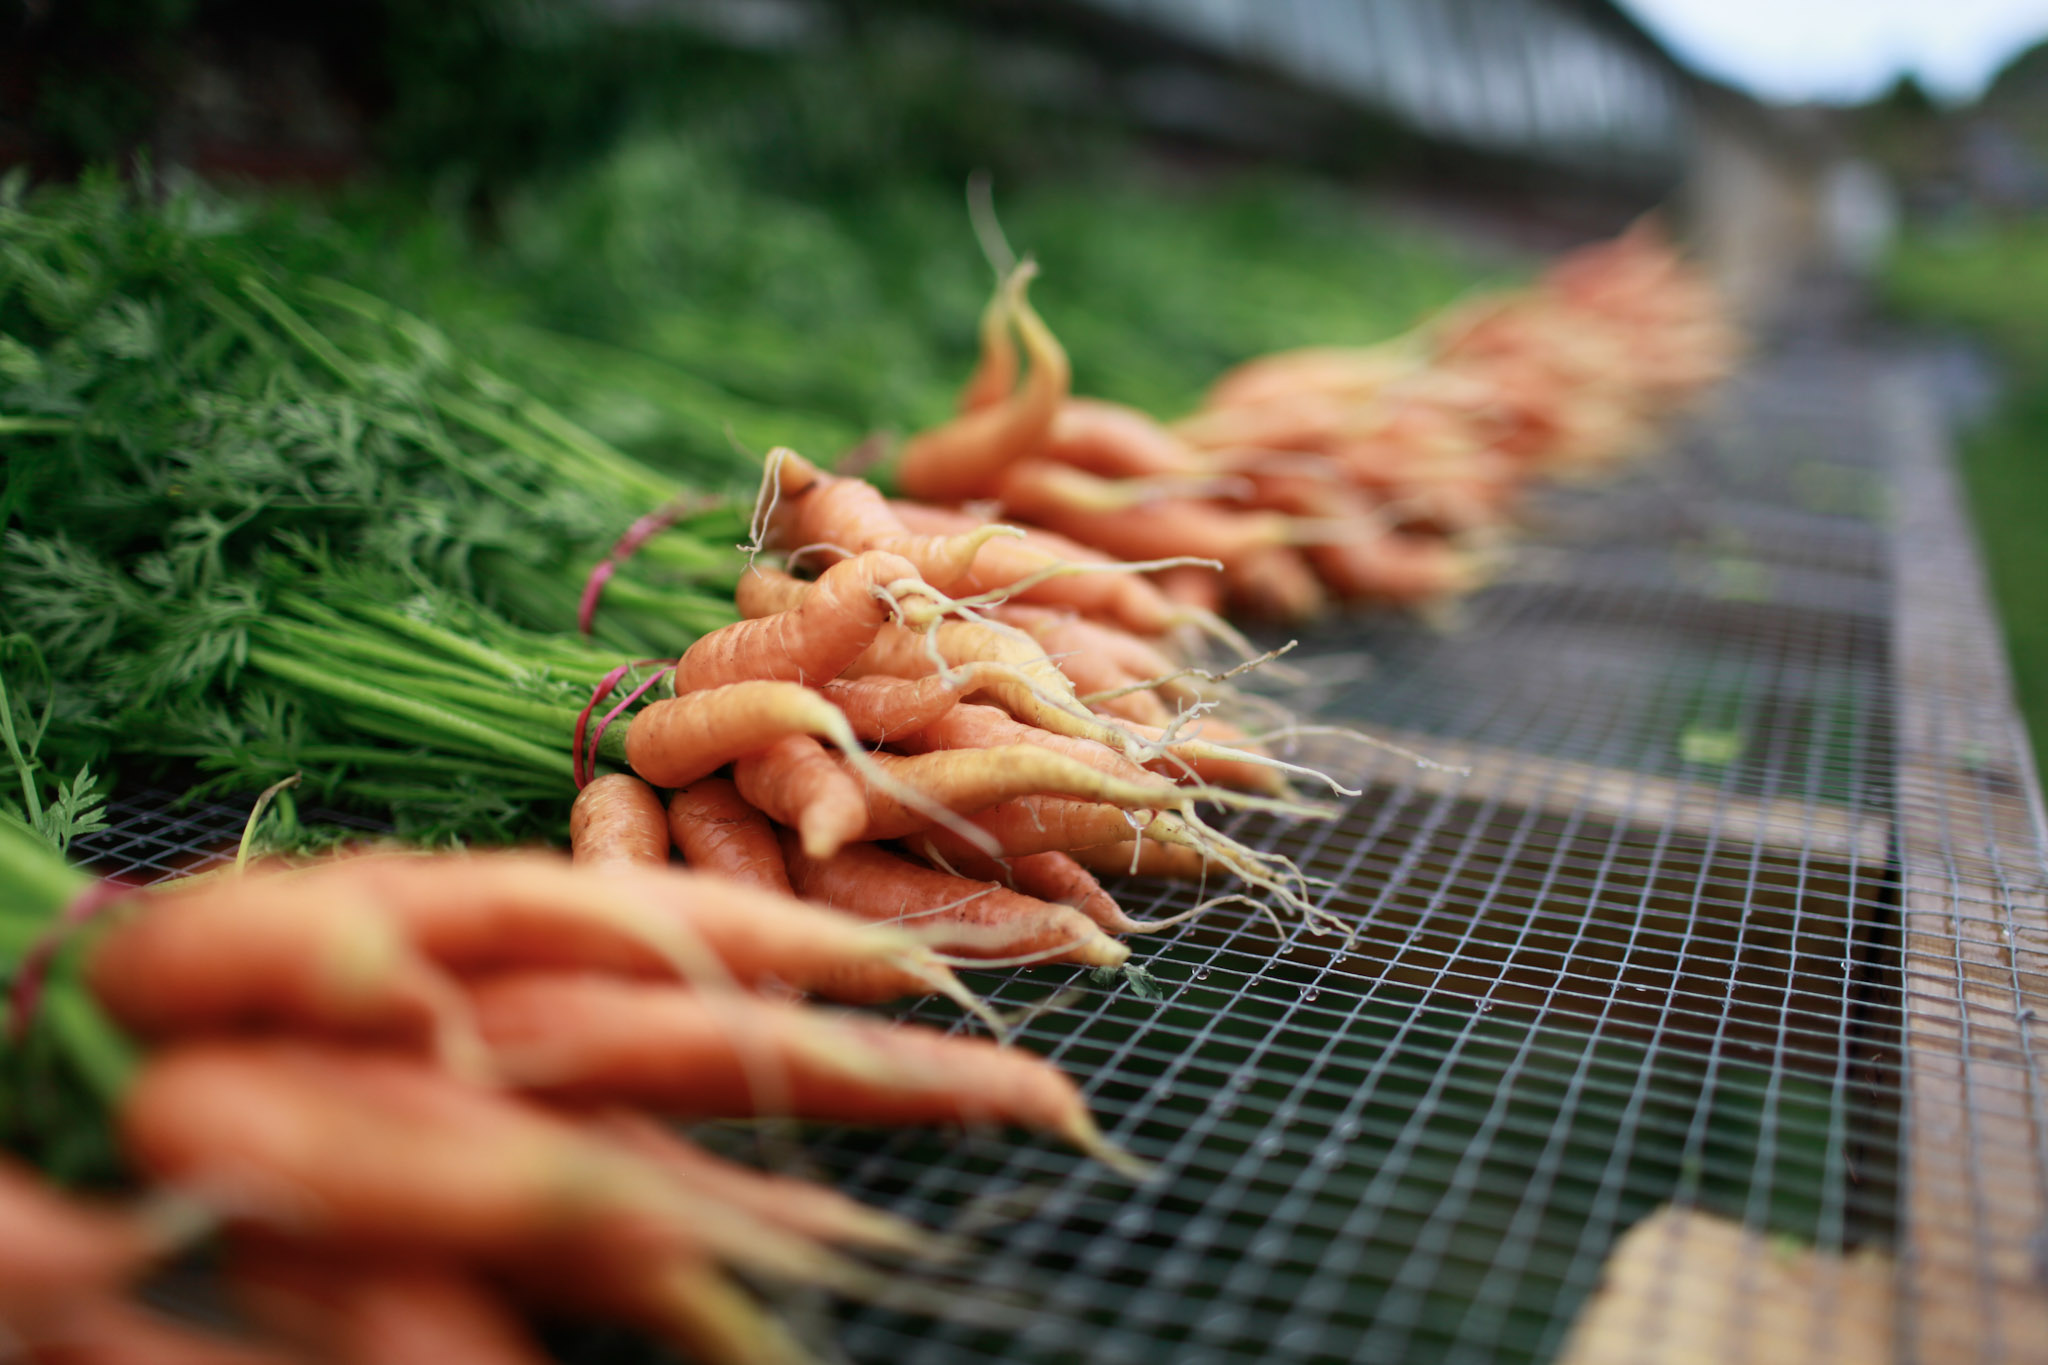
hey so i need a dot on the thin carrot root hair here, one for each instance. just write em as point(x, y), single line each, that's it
point(988, 230)
point(1372, 741)
point(955, 990)
point(1208, 624)
point(1196, 671)
point(765, 502)
point(1270, 872)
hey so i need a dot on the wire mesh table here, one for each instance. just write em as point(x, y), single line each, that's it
point(1697, 1020)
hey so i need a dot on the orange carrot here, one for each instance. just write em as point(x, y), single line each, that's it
point(973, 919)
point(966, 781)
point(1088, 654)
point(589, 1040)
point(719, 832)
point(113, 1331)
point(970, 726)
point(805, 508)
point(1124, 598)
point(1192, 585)
point(55, 1249)
point(1047, 824)
point(798, 1206)
point(384, 1154)
point(881, 708)
point(1284, 376)
point(836, 619)
point(1063, 633)
point(351, 1310)
point(1097, 512)
point(1276, 584)
point(965, 458)
point(674, 742)
point(1147, 858)
point(263, 949)
point(373, 1150)
point(1014, 672)
point(506, 911)
point(1113, 441)
point(618, 819)
point(995, 368)
point(1054, 877)
point(796, 782)
point(678, 1298)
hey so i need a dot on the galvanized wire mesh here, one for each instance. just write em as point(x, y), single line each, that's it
point(1647, 954)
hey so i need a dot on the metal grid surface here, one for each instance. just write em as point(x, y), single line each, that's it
point(1649, 953)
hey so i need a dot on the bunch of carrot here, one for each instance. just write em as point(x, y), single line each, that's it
point(408, 1096)
point(910, 737)
point(1371, 475)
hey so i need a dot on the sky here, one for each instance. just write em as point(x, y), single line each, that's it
point(1846, 50)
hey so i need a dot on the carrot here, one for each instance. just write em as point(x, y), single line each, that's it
point(1147, 858)
point(1309, 421)
point(836, 619)
point(975, 919)
point(965, 457)
point(1399, 569)
point(881, 708)
point(966, 781)
point(1054, 877)
point(262, 949)
point(719, 832)
point(505, 911)
point(1088, 654)
point(1283, 376)
point(55, 1249)
point(804, 508)
point(973, 726)
point(798, 1206)
point(675, 741)
point(1104, 515)
point(996, 367)
point(592, 1041)
point(680, 1299)
point(982, 727)
point(1277, 584)
point(1194, 586)
point(1065, 633)
point(1118, 442)
point(1010, 670)
point(349, 1310)
point(375, 1151)
point(618, 819)
point(380, 1153)
point(113, 1331)
point(796, 782)
point(1127, 600)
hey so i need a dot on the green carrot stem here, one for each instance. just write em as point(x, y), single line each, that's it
point(298, 329)
point(38, 426)
point(435, 718)
point(106, 1060)
point(461, 646)
point(34, 878)
point(363, 649)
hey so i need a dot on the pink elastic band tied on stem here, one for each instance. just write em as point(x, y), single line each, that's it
point(626, 546)
point(26, 996)
point(584, 762)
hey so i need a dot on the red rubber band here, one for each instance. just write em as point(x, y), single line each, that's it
point(625, 547)
point(26, 995)
point(584, 768)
